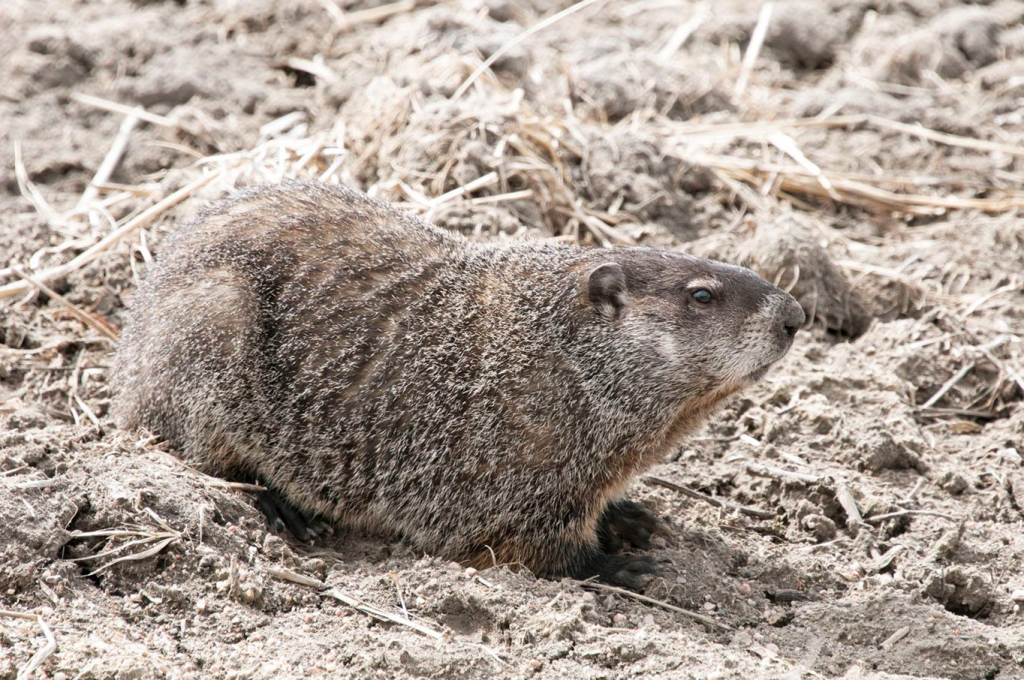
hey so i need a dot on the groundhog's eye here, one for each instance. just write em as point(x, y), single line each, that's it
point(702, 295)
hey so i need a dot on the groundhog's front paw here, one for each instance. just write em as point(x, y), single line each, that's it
point(626, 522)
point(624, 571)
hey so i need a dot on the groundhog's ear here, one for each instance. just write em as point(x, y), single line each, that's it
point(606, 289)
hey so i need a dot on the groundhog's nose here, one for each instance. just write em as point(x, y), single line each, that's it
point(793, 317)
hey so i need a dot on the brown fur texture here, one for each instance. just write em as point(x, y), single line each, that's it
point(487, 402)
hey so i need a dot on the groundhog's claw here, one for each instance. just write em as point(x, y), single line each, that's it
point(282, 516)
point(625, 571)
point(629, 571)
point(626, 522)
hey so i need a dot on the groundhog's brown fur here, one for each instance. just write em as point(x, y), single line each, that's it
point(488, 402)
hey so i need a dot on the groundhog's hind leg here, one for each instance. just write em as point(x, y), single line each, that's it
point(282, 515)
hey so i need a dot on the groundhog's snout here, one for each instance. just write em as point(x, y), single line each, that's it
point(790, 318)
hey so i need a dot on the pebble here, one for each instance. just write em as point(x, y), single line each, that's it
point(619, 619)
point(1011, 455)
point(471, 572)
point(1017, 595)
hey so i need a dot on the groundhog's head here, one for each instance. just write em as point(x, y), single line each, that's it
point(698, 323)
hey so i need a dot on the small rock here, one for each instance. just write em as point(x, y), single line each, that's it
point(471, 572)
point(820, 527)
point(1010, 455)
point(619, 619)
point(742, 639)
point(954, 482)
point(880, 451)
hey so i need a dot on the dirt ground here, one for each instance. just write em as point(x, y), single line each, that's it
point(870, 158)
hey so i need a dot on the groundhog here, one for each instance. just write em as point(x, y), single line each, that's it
point(491, 403)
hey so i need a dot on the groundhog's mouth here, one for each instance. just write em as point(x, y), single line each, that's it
point(759, 373)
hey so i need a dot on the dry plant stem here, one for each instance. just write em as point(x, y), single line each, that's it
point(711, 500)
point(788, 146)
point(480, 182)
point(90, 320)
point(511, 44)
point(149, 538)
point(374, 15)
point(767, 471)
point(910, 497)
point(318, 69)
point(208, 480)
point(895, 637)
point(754, 48)
point(800, 180)
point(110, 161)
point(944, 138)
point(29, 190)
point(44, 652)
point(970, 413)
point(948, 385)
point(385, 615)
point(1006, 368)
point(141, 220)
point(761, 128)
point(164, 541)
point(904, 513)
point(849, 503)
point(294, 577)
point(337, 16)
point(299, 579)
point(650, 600)
point(883, 561)
point(136, 111)
point(1012, 287)
point(683, 33)
point(233, 486)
